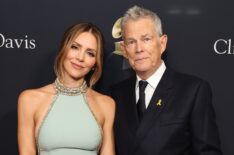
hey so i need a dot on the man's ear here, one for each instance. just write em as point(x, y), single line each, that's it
point(163, 42)
point(123, 49)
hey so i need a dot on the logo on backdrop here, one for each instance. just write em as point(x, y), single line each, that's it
point(24, 42)
point(117, 33)
point(224, 46)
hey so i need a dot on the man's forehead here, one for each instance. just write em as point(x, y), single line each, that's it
point(144, 35)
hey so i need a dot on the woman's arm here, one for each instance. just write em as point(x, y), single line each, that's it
point(26, 125)
point(108, 147)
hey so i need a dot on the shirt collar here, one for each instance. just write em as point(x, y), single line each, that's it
point(154, 79)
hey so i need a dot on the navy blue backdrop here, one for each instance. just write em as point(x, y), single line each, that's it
point(201, 42)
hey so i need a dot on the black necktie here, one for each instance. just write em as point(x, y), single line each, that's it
point(141, 102)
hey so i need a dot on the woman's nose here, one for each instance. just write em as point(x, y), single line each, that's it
point(80, 56)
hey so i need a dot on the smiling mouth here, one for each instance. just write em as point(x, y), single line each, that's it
point(77, 66)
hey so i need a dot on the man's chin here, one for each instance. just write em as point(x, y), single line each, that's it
point(141, 67)
point(141, 70)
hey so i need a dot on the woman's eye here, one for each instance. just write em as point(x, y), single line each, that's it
point(91, 53)
point(74, 47)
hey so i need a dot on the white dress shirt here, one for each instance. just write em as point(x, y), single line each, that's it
point(153, 81)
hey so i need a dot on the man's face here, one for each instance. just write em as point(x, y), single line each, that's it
point(143, 46)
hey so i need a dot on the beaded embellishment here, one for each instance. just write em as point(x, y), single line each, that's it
point(60, 88)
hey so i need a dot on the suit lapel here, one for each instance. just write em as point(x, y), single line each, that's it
point(130, 104)
point(157, 103)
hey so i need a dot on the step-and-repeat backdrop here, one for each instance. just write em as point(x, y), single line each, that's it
point(201, 42)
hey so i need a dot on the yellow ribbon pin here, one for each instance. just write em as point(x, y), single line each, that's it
point(159, 103)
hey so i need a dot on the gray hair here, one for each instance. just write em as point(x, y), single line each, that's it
point(134, 13)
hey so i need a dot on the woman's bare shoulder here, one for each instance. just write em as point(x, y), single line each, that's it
point(38, 92)
point(31, 97)
point(104, 101)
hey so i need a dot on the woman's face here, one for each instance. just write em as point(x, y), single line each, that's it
point(81, 56)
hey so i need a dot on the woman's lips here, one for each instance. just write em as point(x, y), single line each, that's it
point(77, 66)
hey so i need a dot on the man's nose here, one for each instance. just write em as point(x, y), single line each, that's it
point(139, 46)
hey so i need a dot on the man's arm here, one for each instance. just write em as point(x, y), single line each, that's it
point(205, 136)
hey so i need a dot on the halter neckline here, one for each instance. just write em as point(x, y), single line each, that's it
point(60, 88)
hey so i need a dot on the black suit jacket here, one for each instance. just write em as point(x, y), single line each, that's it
point(183, 123)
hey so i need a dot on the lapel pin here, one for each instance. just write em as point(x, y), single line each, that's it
point(159, 103)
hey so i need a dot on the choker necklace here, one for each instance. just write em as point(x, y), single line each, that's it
point(60, 88)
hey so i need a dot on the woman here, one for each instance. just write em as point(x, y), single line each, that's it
point(68, 117)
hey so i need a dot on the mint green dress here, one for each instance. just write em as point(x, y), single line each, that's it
point(69, 128)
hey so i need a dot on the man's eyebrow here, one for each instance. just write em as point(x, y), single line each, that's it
point(145, 35)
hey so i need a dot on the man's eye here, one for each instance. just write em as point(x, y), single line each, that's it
point(130, 42)
point(147, 39)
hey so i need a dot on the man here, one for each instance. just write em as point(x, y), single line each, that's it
point(160, 111)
